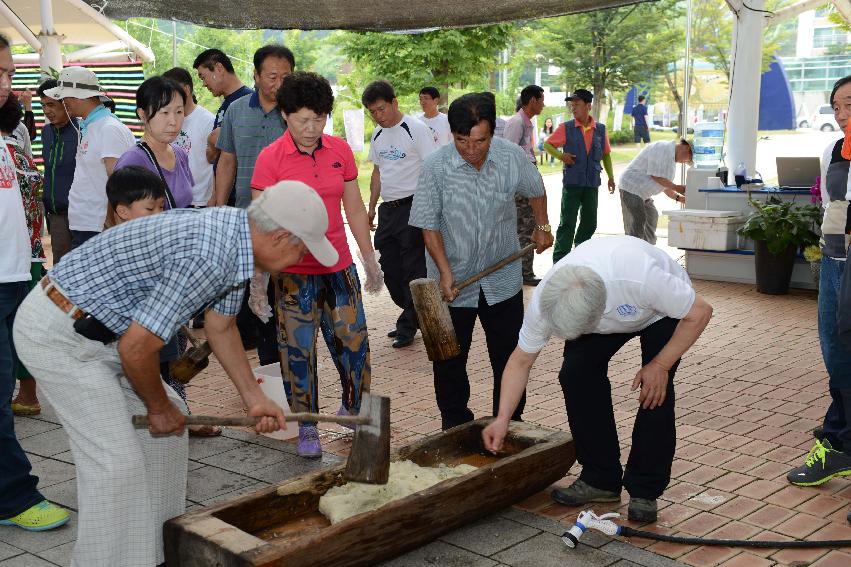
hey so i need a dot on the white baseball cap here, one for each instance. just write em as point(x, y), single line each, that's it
point(299, 209)
point(77, 82)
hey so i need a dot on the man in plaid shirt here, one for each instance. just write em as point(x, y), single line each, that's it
point(108, 309)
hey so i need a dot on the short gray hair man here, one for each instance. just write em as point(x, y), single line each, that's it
point(574, 299)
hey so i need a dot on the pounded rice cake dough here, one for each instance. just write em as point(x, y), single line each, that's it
point(406, 478)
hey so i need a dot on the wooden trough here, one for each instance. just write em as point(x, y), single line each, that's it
point(281, 525)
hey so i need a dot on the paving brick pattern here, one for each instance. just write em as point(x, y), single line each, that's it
point(748, 395)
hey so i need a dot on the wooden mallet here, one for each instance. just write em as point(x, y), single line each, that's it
point(433, 311)
point(369, 459)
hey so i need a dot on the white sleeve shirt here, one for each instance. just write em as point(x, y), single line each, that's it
point(656, 159)
point(643, 285)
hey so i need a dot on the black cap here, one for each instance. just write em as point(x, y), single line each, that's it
point(580, 94)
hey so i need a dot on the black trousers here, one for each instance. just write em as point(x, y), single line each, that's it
point(501, 323)
point(257, 334)
point(588, 398)
point(402, 259)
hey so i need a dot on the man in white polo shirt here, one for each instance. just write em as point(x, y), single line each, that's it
point(651, 173)
point(602, 294)
point(103, 138)
point(398, 148)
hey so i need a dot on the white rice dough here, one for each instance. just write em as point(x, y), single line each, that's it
point(406, 478)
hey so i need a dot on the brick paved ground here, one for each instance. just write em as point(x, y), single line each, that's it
point(748, 395)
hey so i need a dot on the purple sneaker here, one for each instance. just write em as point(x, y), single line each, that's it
point(344, 411)
point(308, 442)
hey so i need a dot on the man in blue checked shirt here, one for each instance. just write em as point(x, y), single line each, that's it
point(105, 313)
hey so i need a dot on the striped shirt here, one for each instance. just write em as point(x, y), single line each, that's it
point(247, 129)
point(656, 159)
point(162, 270)
point(476, 215)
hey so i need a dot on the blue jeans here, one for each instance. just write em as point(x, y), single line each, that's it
point(17, 486)
point(837, 360)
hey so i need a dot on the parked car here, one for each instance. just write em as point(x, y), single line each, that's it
point(823, 119)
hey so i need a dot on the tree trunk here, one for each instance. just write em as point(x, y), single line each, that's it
point(672, 85)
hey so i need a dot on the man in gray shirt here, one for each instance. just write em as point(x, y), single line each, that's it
point(465, 205)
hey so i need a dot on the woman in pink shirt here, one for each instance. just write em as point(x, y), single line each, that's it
point(310, 296)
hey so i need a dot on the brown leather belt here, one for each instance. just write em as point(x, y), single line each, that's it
point(60, 300)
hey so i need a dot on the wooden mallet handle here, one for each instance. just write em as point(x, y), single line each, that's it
point(498, 266)
point(142, 421)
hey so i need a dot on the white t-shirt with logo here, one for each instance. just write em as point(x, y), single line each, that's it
point(399, 152)
point(15, 252)
point(643, 285)
point(440, 126)
point(193, 138)
point(104, 138)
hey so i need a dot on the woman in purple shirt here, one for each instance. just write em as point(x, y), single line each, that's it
point(159, 105)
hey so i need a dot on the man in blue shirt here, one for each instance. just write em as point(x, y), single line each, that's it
point(107, 310)
point(639, 122)
point(216, 71)
point(59, 148)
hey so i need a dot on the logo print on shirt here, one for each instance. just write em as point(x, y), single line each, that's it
point(184, 141)
point(7, 170)
point(393, 154)
point(626, 310)
point(336, 165)
point(84, 147)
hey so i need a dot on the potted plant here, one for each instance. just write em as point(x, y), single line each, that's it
point(779, 229)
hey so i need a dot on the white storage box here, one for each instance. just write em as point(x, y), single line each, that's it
point(696, 229)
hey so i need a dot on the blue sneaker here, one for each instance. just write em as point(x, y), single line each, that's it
point(308, 442)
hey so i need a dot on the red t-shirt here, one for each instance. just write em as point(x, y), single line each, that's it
point(326, 171)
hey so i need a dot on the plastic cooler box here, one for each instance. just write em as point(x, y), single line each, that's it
point(696, 229)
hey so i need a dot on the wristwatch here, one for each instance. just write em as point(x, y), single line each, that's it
point(543, 227)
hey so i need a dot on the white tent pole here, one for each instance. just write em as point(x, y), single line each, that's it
point(743, 119)
point(19, 26)
point(139, 48)
point(683, 127)
point(50, 56)
point(687, 85)
point(83, 54)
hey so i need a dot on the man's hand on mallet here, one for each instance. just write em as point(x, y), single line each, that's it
point(447, 287)
point(542, 239)
point(653, 379)
point(611, 186)
point(271, 414)
point(166, 420)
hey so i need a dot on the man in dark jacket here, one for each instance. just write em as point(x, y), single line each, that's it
point(59, 148)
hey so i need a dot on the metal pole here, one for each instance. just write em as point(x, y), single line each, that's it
point(173, 43)
point(687, 84)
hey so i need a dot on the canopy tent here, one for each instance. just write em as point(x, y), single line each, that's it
point(369, 15)
point(46, 24)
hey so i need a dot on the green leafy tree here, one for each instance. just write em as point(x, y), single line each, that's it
point(453, 57)
point(608, 49)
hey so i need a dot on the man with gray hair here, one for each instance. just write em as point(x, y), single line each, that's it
point(651, 173)
point(106, 311)
point(604, 293)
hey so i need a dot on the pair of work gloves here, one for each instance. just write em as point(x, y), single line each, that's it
point(258, 300)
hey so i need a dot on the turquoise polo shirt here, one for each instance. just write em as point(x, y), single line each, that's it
point(246, 130)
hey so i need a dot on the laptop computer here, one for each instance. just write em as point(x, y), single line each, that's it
point(797, 172)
